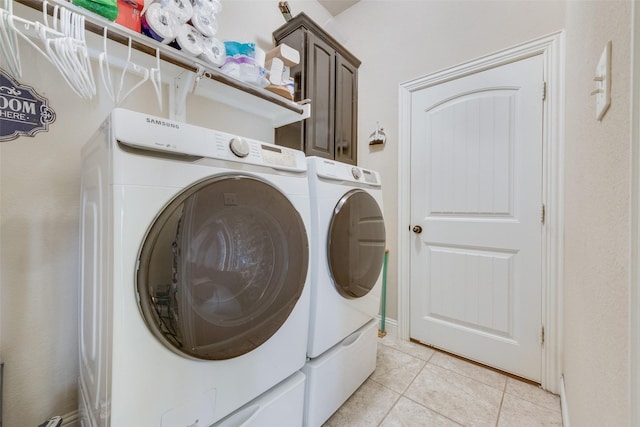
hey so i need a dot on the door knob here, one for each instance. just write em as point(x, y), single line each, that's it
point(417, 229)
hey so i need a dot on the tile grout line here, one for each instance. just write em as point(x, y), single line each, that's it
point(401, 395)
point(436, 351)
point(392, 406)
point(504, 392)
point(430, 361)
point(468, 377)
point(432, 410)
point(409, 354)
point(427, 362)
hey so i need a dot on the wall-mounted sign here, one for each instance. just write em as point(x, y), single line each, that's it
point(22, 110)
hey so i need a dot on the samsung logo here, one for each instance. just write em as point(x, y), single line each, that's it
point(162, 123)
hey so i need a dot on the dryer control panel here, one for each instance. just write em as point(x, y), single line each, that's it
point(337, 171)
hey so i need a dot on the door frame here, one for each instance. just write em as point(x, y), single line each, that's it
point(552, 48)
point(634, 258)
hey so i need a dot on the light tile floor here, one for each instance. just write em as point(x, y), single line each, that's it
point(414, 385)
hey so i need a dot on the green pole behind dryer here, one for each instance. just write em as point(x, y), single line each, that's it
point(383, 310)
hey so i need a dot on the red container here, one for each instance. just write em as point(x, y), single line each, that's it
point(129, 14)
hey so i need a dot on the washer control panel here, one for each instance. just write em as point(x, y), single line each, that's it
point(156, 134)
point(255, 152)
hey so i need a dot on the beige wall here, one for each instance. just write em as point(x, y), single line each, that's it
point(597, 230)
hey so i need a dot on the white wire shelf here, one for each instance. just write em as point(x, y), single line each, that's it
point(214, 84)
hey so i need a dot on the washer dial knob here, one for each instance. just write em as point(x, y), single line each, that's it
point(239, 146)
point(356, 173)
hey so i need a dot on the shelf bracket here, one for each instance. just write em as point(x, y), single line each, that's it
point(183, 84)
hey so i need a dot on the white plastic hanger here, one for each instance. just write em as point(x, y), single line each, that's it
point(80, 35)
point(130, 65)
point(115, 92)
point(9, 40)
point(21, 26)
point(67, 49)
point(105, 73)
point(75, 49)
point(48, 38)
point(156, 79)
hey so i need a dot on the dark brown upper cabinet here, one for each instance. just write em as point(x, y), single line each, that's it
point(327, 75)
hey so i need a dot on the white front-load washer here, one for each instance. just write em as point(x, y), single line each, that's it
point(347, 253)
point(194, 262)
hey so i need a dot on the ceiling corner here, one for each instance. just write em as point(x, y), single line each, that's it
point(335, 7)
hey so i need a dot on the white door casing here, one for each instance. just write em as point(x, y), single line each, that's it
point(551, 49)
point(476, 192)
point(634, 258)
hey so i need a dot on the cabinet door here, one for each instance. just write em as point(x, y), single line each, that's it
point(320, 79)
point(346, 129)
point(292, 135)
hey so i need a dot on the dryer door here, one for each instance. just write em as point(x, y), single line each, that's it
point(222, 267)
point(356, 244)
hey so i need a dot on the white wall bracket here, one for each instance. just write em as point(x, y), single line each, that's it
point(602, 91)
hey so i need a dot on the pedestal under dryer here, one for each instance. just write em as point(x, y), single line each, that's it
point(194, 297)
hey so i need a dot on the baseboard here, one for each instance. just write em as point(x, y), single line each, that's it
point(563, 404)
point(72, 419)
point(390, 326)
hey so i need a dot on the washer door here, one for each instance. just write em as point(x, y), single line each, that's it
point(222, 267)
point(356, 244)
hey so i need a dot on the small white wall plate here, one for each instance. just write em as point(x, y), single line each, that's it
point(603, 82)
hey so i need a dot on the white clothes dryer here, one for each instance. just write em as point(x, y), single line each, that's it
point(347, 252)
point(194, 255)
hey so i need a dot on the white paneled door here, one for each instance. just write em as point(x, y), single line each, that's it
point(476, 212)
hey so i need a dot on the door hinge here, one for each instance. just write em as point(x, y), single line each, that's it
point(544, 91)
point(542, 335)
point(543, 214)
